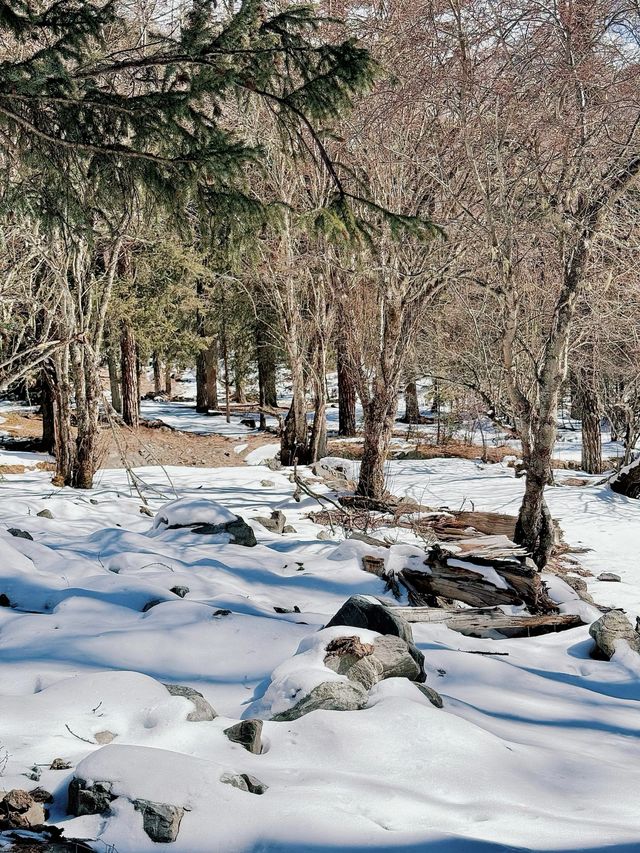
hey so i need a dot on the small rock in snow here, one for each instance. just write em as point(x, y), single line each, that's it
point(45, 513)
point(323, 535)
point(20, 534)
point(203, 712)
point(104, 737)
point(88, 799)
point(244, 782)
point(161, 821)
point(328, 696)
point(4, 600)
point(609, 576)
point(180, 591)
point(275, 524)
point(432, 695)
point(60, 764)
point(19, 810)
point(267, 484)
point(247, 733)
point(289, 528)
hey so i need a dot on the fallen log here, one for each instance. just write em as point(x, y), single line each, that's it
point(479, 622)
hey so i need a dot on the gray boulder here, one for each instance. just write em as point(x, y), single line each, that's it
point(275, 523)
point(203, 712)
point(610, 577)
point(45, 513)
point(180, 591)
point(161, 821)
point(329, 696)
point(88, 799)
point(248, 734)
point(361, 612)
point(244, 782)
point(369, 663)
point(609, 630)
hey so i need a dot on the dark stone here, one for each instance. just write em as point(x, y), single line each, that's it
point(20, 534)
point(4, 600)
point(60, 764)
point(295, 609)
point(221, 612)
point(84, 799)
point(360, 612)
point(610, 577)
point(432, 695)
point(151, 604)
point(247, 733)
point(45, 513)
point(180, 591)
point(249, 422)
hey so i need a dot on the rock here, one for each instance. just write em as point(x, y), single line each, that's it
point(362, 612)
point(432, 695)
point(274, 464)
point(154, 603)
point(20, 810)
point(88, 799)
point(20, 534)
point(41, 795)
point(204, 517)
point(330, 696)
point(60, 764)
point(275, 524)
point(161, 821)
point(244, 782)
point(221, 611)
point(45, 513)
point(324, 535)
point(249, 422)
point(610, 577)
point(203, 712)
point(294, 609)
point(367, 664)
point(180, 591)
point(368, 540)
point(610, 630)
point(4, 600)
point(104, 737)
point(267, 484)
point(289, 528)
point(248, 734)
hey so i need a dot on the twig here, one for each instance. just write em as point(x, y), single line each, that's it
point(92, 742)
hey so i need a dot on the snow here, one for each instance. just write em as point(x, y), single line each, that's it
point(538, 749)
point(191, 511)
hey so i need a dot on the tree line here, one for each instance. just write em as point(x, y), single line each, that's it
point(392, 189)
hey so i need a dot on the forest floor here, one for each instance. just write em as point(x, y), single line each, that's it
point(537, 748)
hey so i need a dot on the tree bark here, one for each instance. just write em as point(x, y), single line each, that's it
point(266, 359)
point(65, 448)
point(157, 373)
point(346, 389)
point(129, 372)
point(591, 411)
point(412, 410)
point(47, 380)
point(114, 377)
point(207, 378)
point(379, 420)
point(295, 435)
point(167, 379)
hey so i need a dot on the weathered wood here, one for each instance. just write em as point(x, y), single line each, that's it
point(480, 621)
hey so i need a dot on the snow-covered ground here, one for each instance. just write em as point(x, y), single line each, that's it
point(535, 750)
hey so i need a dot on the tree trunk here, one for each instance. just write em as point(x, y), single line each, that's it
point(379, 419)
point(294, 439)
point(318, 439)
point(211, 374)
point(157, 373)
point(266, 359)
point(346, 390)
point(129, 371)
point(412, 410)
point(591, 411)
point(87, 399)
point(114, 378)
point(167, 379)
point(65, 448)
point(47, 381)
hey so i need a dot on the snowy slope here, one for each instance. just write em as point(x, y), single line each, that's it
point(536, 750)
